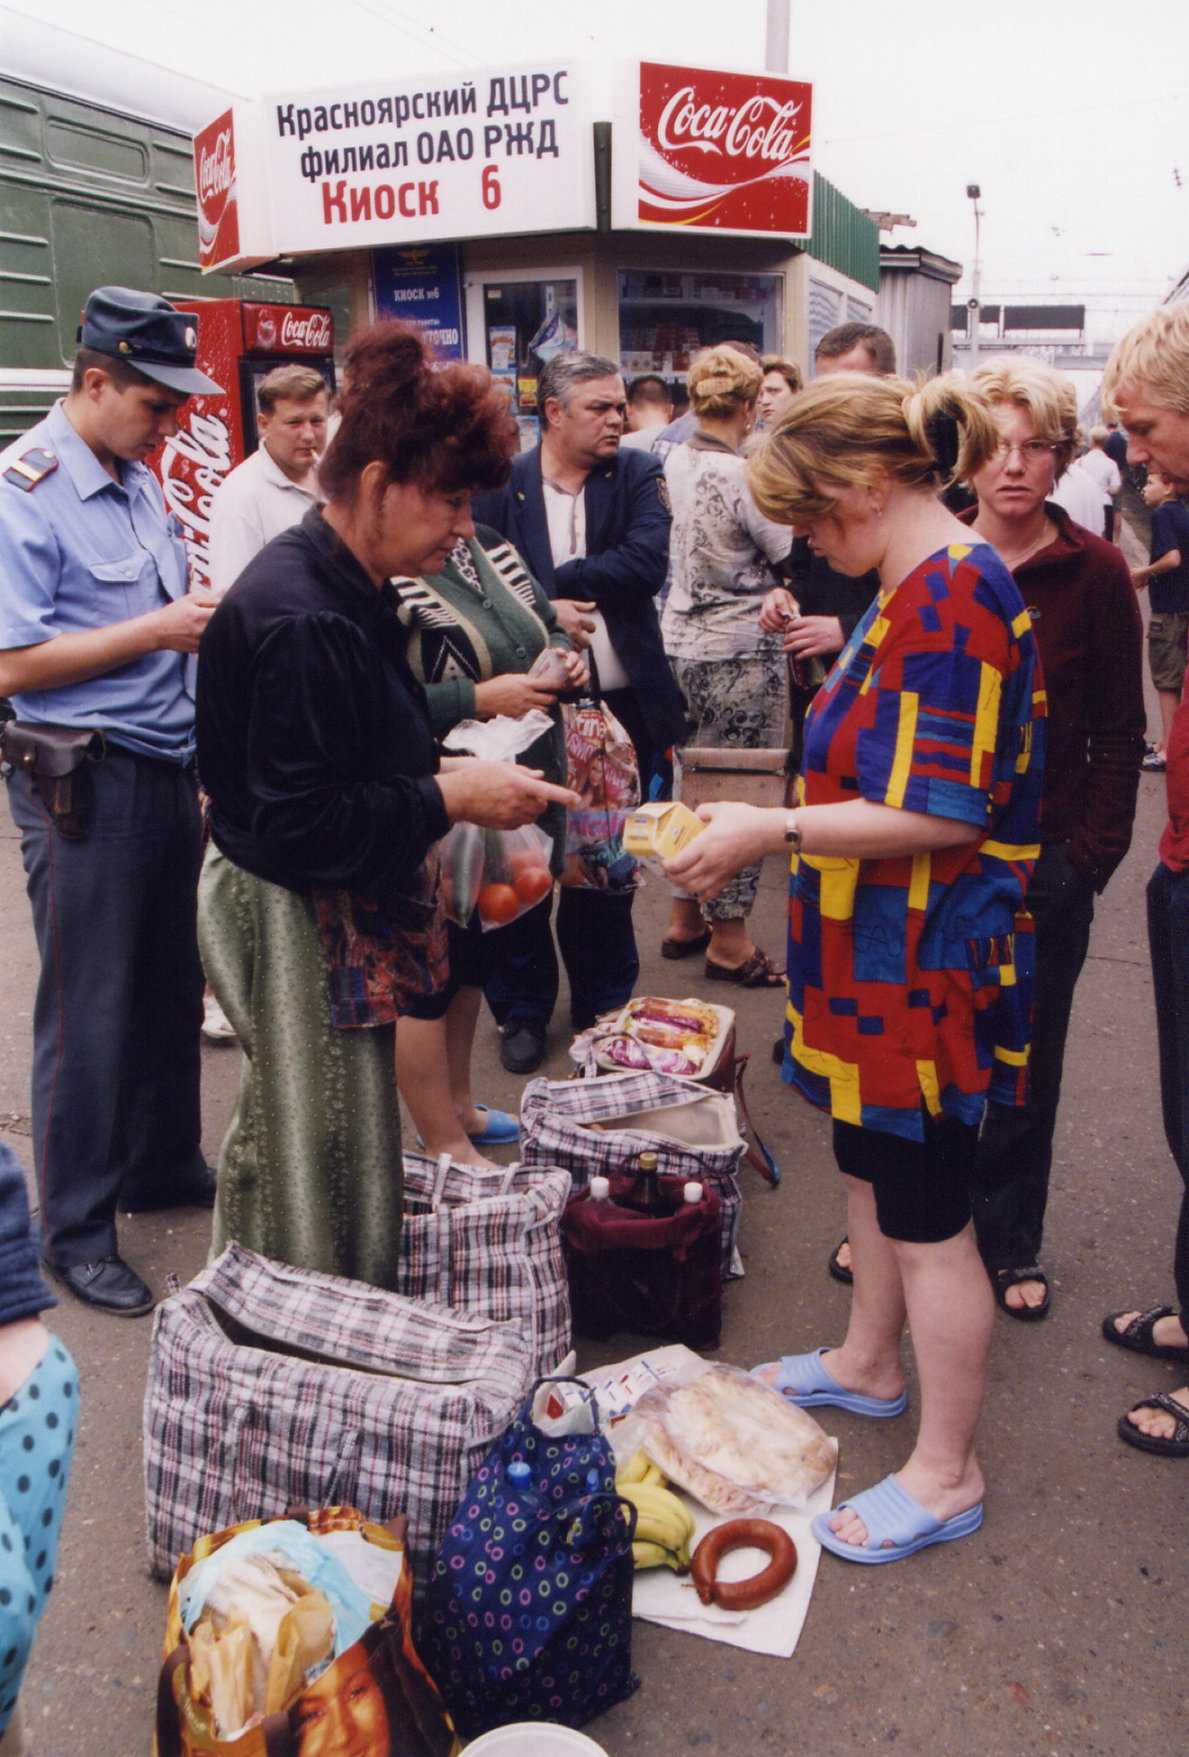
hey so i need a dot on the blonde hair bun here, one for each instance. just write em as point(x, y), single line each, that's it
point(720, 379)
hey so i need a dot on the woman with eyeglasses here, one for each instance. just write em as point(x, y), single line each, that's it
point(911, 843)
point(1083, 606)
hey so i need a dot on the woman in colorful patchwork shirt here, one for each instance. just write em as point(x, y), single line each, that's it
point(909, 952)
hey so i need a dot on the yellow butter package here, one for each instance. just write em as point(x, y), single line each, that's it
point(655, 833)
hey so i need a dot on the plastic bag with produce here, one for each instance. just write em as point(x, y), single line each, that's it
point(500, 873)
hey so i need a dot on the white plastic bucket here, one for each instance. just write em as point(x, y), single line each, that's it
point(534, 1738)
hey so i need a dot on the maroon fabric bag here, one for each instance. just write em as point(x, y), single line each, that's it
point(655, 1277)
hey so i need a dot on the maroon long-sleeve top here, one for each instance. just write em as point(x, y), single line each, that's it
point(1079, 593)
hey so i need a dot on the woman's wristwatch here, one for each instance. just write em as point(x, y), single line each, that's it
point(792, 834)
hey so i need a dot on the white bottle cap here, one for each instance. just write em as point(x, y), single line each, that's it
point(692, 1193)
point(600, 1189)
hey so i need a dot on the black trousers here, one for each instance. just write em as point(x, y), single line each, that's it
point(1168, 941)
point(1015, 1153)
point(118, 1010)
point(595, 935)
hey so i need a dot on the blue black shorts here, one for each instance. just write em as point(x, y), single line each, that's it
point(923, 1189)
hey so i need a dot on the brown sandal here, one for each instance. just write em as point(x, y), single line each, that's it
point(758, 971)
point(684, 948)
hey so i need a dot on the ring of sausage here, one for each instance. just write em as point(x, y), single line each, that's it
point(738, 1534)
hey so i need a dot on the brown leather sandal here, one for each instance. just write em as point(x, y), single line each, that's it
point(758, 971)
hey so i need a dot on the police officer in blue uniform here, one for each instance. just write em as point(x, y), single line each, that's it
point(96, 636)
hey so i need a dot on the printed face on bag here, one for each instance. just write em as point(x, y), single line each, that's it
point(353, 1723)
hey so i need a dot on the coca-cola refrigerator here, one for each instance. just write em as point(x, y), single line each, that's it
point(239, 341)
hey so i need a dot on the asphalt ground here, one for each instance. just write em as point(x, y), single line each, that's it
point(1057, 1629)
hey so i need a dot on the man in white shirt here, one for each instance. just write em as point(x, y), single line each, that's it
point(275, 487)
point(1099, 464)
point(1084, 500)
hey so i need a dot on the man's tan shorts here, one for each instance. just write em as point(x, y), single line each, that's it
point(1168, 637)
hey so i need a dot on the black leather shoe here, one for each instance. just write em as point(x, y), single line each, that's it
point(109, 1284)
point(197, 1190)
point(522, 1050)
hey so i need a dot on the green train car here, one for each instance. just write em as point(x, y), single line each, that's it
point(96, 188)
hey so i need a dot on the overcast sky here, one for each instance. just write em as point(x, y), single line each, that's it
point(1072, 115)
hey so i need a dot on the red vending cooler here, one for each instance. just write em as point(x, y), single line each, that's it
point(238, 342)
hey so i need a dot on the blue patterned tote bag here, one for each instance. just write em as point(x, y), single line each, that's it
point(529, 1612)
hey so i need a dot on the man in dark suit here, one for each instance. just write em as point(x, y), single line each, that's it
point(592, 523)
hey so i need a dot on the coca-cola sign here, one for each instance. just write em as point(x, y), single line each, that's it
point(727, 152)
point(215, 186)
point(288, 329)
point(192, 468)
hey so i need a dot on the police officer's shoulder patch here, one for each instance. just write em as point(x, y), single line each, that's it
point(662, 488)
point(31, 468)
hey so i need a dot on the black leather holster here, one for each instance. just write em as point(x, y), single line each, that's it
point(58, 761)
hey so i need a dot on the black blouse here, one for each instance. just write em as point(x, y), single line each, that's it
point(314, 739)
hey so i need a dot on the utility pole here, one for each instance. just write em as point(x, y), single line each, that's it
point(776, 36)
point(974, 304)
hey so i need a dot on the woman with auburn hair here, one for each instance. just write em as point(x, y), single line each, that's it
point(780, 383)
point(724, 558)
point(320, 918)
point(910, 845)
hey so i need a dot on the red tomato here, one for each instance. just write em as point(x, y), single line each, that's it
point(521, 859)
point(532, 883)
point(498, 904)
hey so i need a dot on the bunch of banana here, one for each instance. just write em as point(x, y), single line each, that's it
point(639, 1468)
point(664, 1525)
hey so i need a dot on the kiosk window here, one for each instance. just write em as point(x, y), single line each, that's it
point(665, 316)
point(526, 323)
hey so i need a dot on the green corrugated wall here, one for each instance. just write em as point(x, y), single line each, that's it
point(842, 236)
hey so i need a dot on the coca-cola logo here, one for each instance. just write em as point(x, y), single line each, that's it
point(194, 462)
point(759, 128)
point(216, 169)
point(215, 186)
point(725, 150)
point(311, 331)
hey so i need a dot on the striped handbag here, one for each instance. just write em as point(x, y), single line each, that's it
point(271, 1387)
point(490, 1242)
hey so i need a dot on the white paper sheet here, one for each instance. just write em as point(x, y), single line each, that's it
point(660, 1596)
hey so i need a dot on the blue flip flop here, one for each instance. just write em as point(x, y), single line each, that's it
point(897, 1526)
point(804, 1381)
point(501, 1130)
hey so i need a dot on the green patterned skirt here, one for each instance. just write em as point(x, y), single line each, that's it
point(310, 1171)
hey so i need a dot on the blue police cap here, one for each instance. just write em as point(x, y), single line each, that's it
point(148, 333)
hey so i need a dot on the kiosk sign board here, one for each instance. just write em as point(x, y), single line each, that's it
point(422, 283)
point(408, 161)
point(712, 151)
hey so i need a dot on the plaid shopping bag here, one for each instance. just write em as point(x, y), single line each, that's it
point(589, 1127)
point(490, 1242)
point(271, 1386)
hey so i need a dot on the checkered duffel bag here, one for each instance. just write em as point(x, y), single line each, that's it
point(490, 1242)
point(271, 1387)
point(593, 1127)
